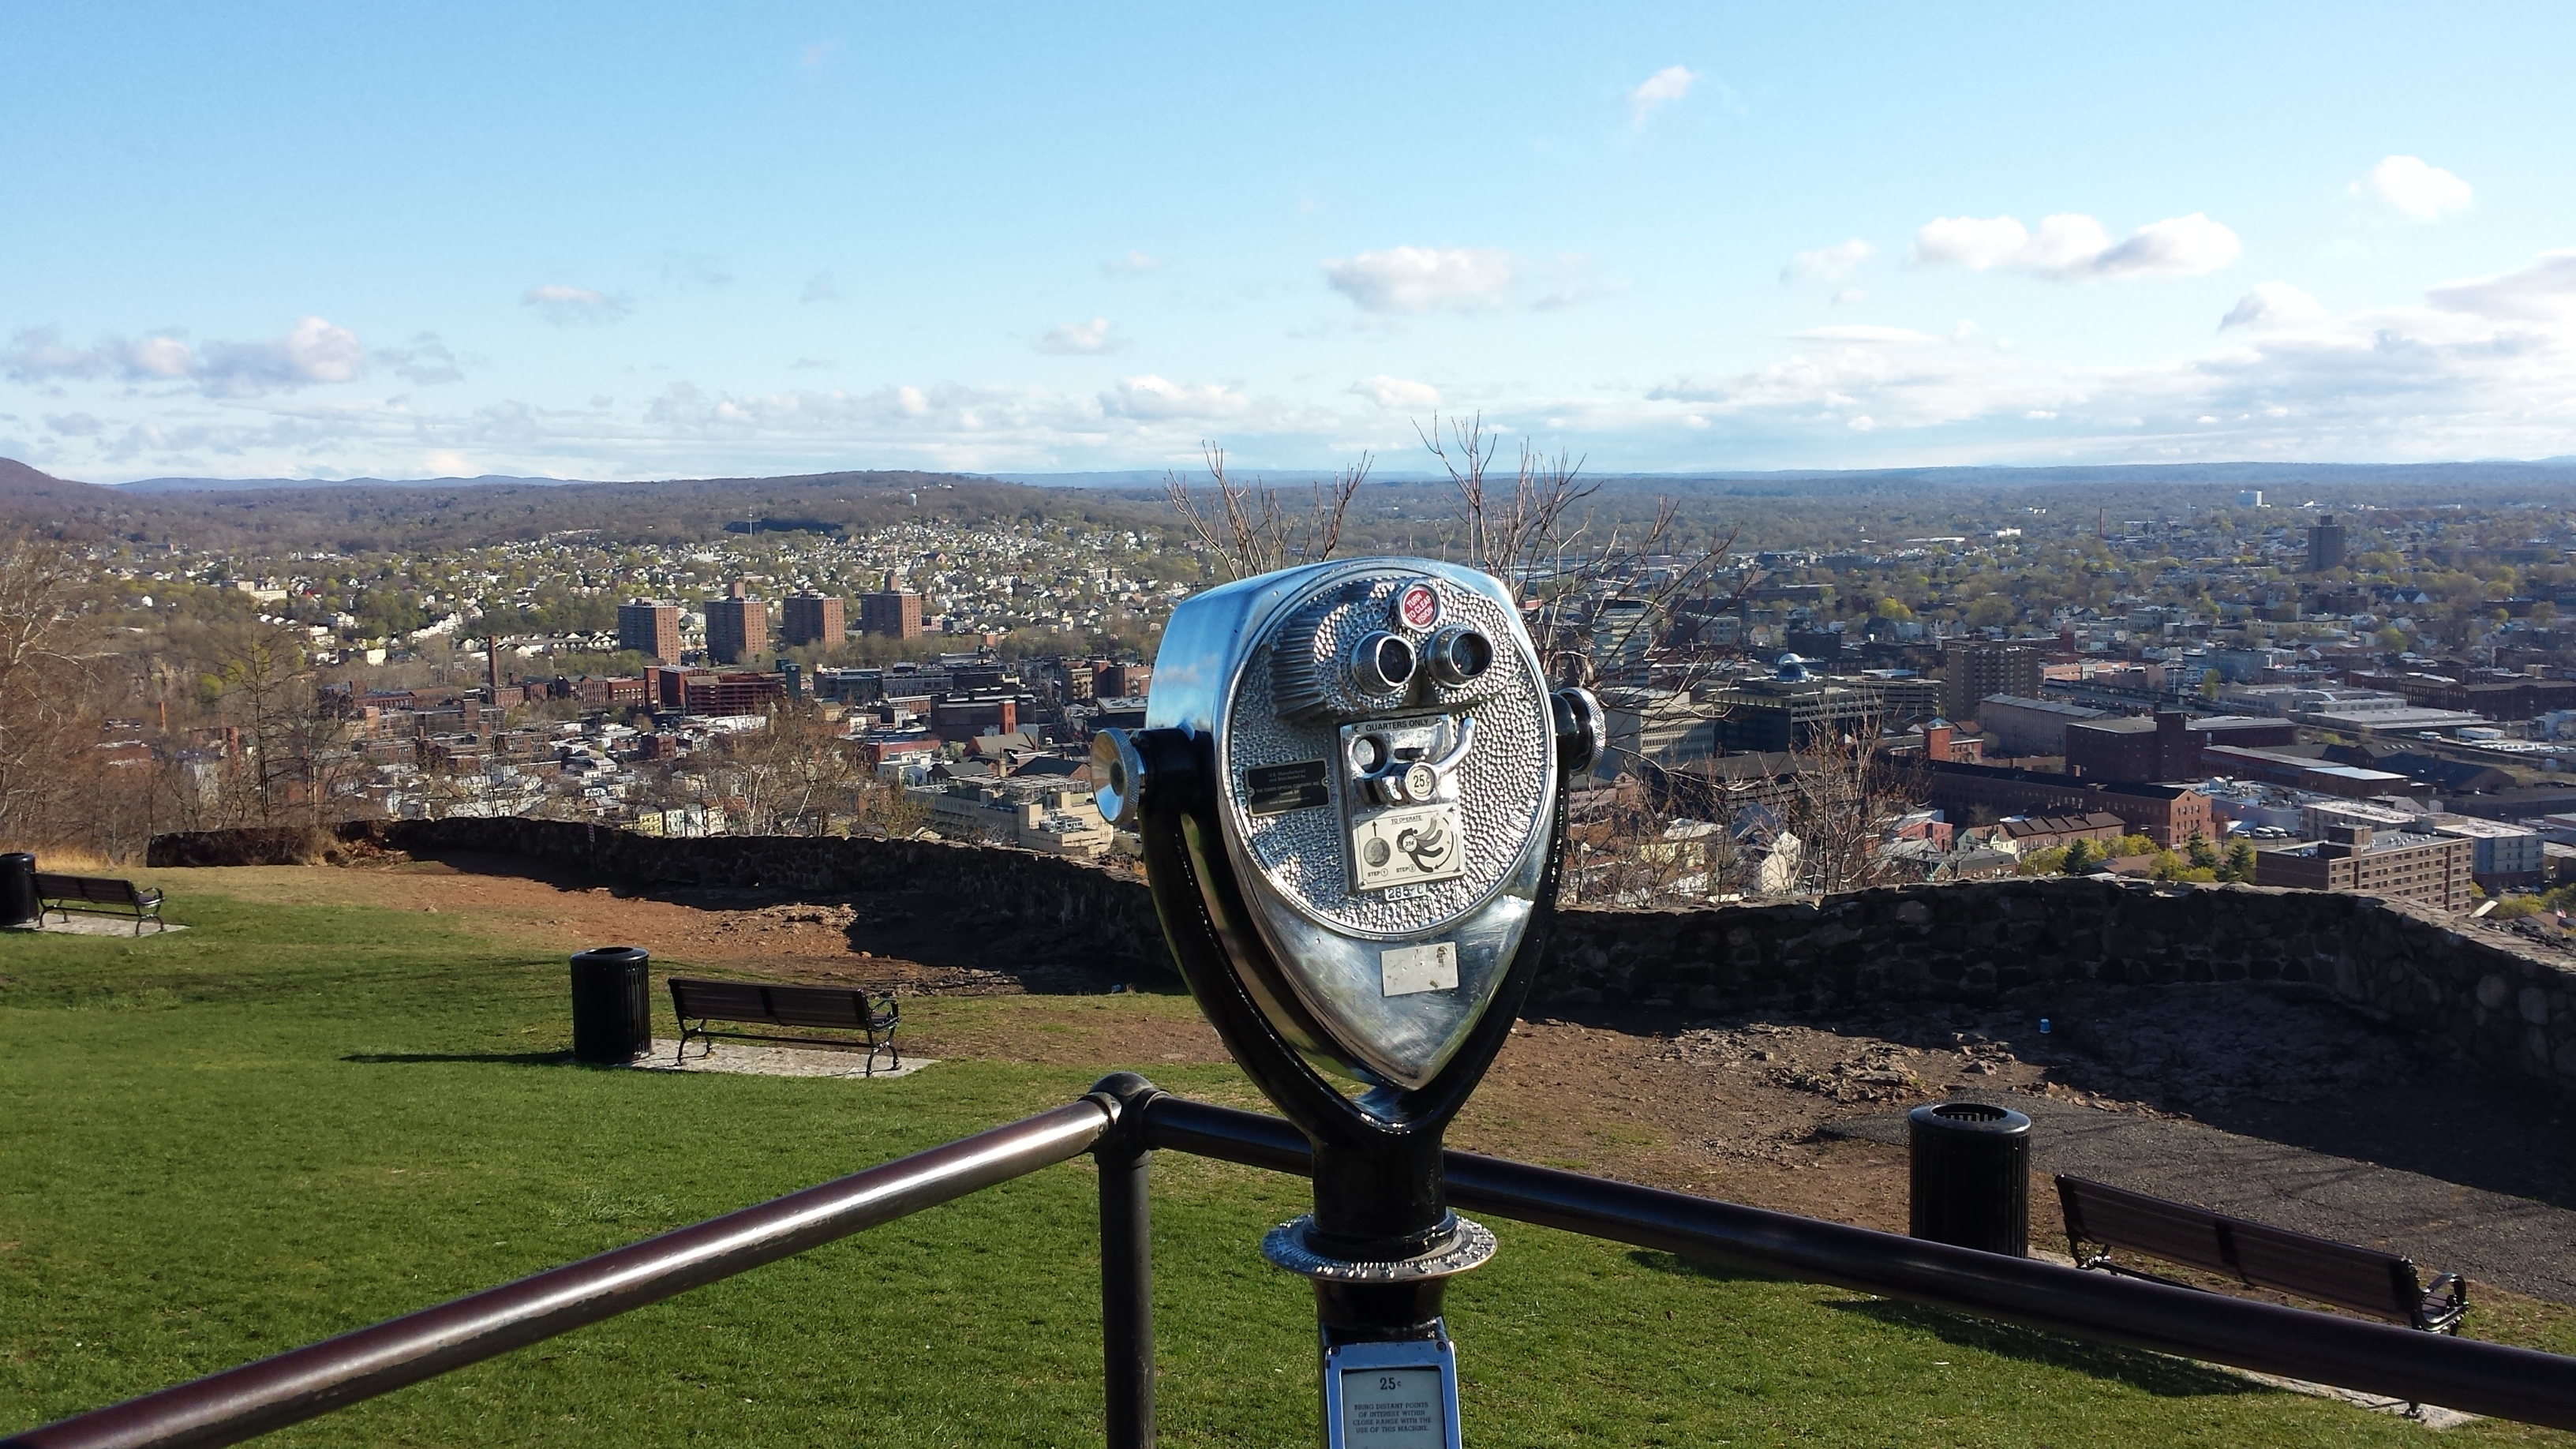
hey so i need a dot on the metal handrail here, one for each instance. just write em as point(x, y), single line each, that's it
point(234, 1405)
point(2349, 1353)
point(1125, 1118)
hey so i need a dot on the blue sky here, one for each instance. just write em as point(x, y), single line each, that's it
point(683, 240)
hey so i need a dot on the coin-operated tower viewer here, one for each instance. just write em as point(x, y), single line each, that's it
point(1351, 793)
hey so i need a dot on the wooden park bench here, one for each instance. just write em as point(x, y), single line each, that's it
point(840, 1008)
point(2100, 1217)
point(101, 894)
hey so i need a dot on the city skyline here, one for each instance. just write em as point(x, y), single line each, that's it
point(665, 243)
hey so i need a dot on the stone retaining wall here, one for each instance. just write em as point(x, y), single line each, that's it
point(2480, 991)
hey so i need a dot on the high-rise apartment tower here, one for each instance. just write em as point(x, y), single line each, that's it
point(737, 627)
point(650, 628)
point(810, 619)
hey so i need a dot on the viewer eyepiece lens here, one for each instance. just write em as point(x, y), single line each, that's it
point(1383, 664)
point(1459, 655)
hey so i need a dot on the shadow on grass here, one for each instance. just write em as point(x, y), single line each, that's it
point(2154, 1373)
point(1680, 1266)
point(507, 1059)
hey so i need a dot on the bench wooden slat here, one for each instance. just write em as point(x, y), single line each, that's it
point(819, 1006)
point(725, 1000)
point(2365, 1280)
point(2175, 1232)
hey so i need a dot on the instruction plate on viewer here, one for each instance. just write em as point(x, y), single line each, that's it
point(1403, 847)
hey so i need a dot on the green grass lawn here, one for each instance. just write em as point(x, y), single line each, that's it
point(291, 1121)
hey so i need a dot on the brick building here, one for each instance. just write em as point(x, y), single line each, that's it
point(2043, 832)
point(737, 628)
point(2298, 772)
point(2023, 726)
point(891, 614)
point(2396, 865)
point(2505, 855)
point(1783, 714)
point(2495, 699)
point(1122, 681)
point(707, 691)
point(2166, 814)
point(2166, 747)
point(1972, 669)
point(596, 692)
point(810, 619)
point(650, 628)
point(964, 719)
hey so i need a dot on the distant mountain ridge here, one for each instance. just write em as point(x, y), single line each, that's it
point(19, 478)
point(244, 485)
point(1832, 480)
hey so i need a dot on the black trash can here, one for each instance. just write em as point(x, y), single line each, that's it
point(1971, 1176)
point(612, 1005)
point(19, 903)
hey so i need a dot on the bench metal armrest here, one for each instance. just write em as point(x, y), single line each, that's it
point(2446, 1302)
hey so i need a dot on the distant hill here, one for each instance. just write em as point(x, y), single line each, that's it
point(368, 515)
point(244, 485)
point(17, 480)
point(1820, 482)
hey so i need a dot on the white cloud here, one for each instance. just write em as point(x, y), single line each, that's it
point(1660, 89)
point(2073, 247)
point(820, 288)
point(2272, 304)
point(1133, 264)
point(2184, 246)
point(2482, 367)
point(1080, 337)
point(1865, 336)
point(425, 363)
point(1396, 392)
point(2545, 291)
point(312, 351)
point(1155, 399)
point(1967, 241)
point(572, 306)
point(161, 357)
point(1849, 297)
point(1424, 279)
point(39, 354)
point(2405, 188)
point(1835, 263)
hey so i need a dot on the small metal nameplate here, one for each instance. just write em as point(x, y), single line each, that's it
point(1273, 789)
point(1405, 970)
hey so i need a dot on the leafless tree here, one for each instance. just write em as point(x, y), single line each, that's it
point(48, 717)
point(1537, 537)
point(1635, 850)
point(289, 756)
point(1846, 795)
point(1248, 528)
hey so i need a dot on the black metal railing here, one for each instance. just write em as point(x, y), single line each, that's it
point(1125, 1119)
